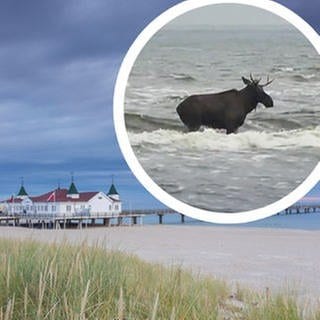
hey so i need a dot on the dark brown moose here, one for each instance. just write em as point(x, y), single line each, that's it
point(224, 110)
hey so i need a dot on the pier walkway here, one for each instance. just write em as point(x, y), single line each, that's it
point(50, 221)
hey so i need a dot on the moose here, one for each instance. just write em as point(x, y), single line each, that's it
point(224, 110)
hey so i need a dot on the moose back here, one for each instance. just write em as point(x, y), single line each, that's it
point(224, 110)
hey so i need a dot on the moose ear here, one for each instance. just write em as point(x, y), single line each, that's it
point(246, 81)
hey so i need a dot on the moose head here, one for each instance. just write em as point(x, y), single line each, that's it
point(257, 88)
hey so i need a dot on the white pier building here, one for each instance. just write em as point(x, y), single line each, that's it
point(64, 203)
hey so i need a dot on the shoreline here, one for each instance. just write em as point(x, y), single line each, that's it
point(256, 258)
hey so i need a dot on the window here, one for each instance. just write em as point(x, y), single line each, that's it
point(53, 208)
point(27, 208)
point(45, 208)
point(117, 207)
point(109, 207)
point(68, 208)
point(100, 198)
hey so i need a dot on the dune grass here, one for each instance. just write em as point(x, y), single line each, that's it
point(41, 281)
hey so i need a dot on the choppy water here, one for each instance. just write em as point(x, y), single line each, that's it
point(272, 153)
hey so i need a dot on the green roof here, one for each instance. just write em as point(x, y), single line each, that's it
point(112, 190)
point(22, 191)
point(72, 189)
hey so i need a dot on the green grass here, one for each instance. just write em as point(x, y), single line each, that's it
point(40, 281)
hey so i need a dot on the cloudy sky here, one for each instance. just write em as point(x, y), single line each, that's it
point(58, 64)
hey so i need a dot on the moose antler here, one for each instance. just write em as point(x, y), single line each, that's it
point(268, 82)
point(256, 81)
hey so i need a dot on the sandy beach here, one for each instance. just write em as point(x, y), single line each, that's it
point(256, 258)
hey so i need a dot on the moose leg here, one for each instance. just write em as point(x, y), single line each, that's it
point(193, 128)
point(231, 130)
point(192, 124)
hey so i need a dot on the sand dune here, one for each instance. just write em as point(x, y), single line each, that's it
point(256, 258)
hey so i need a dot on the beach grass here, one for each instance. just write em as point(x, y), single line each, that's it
point(62, 281)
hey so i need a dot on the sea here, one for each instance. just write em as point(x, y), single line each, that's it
point(302, 221)
point(272, 153)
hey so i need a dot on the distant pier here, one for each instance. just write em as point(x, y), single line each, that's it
point(302, 209)
point(126, 217)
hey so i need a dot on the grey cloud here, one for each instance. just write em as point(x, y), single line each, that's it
point(308, 10)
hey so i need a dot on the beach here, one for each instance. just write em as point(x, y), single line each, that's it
point(277, 259)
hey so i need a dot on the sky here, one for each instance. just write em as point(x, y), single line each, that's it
point(228, 14)
point(58, 65)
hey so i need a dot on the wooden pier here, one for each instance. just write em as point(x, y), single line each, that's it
point(132, 217)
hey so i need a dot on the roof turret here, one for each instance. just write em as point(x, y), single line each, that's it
point(73, 189)
point(113, 193)
point(22, 192)
point(112, 190)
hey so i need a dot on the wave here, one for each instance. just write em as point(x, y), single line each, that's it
point(172, 188)
point(176, 97)
point(212, 140)
point(304, 78)
point(182, 76)
point(311, 72)
point(144, 123)
point(260, 123)
point(282, 69)
point(314, 68)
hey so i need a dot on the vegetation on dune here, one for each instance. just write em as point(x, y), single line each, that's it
point(40, 281)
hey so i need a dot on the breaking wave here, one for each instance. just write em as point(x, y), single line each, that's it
point(304, 77)
point(282, 69)
point(142, 123)
point(182, 76)
point(212, 140)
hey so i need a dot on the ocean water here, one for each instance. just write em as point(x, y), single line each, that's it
point(307, 221)
point(272, 153)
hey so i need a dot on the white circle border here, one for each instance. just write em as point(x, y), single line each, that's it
point(123, 139)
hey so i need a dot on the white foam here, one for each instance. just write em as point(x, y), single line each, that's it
point(285, 69)
point(307, 76)
point(213, 140)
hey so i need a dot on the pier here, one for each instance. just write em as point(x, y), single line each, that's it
point(301, 208)
point(157, 212)
point(50, 221)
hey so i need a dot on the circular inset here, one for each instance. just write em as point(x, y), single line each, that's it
point(124, 141)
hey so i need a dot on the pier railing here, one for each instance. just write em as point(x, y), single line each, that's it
point(148, 211)
point(58, 216)
point(87, 218)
